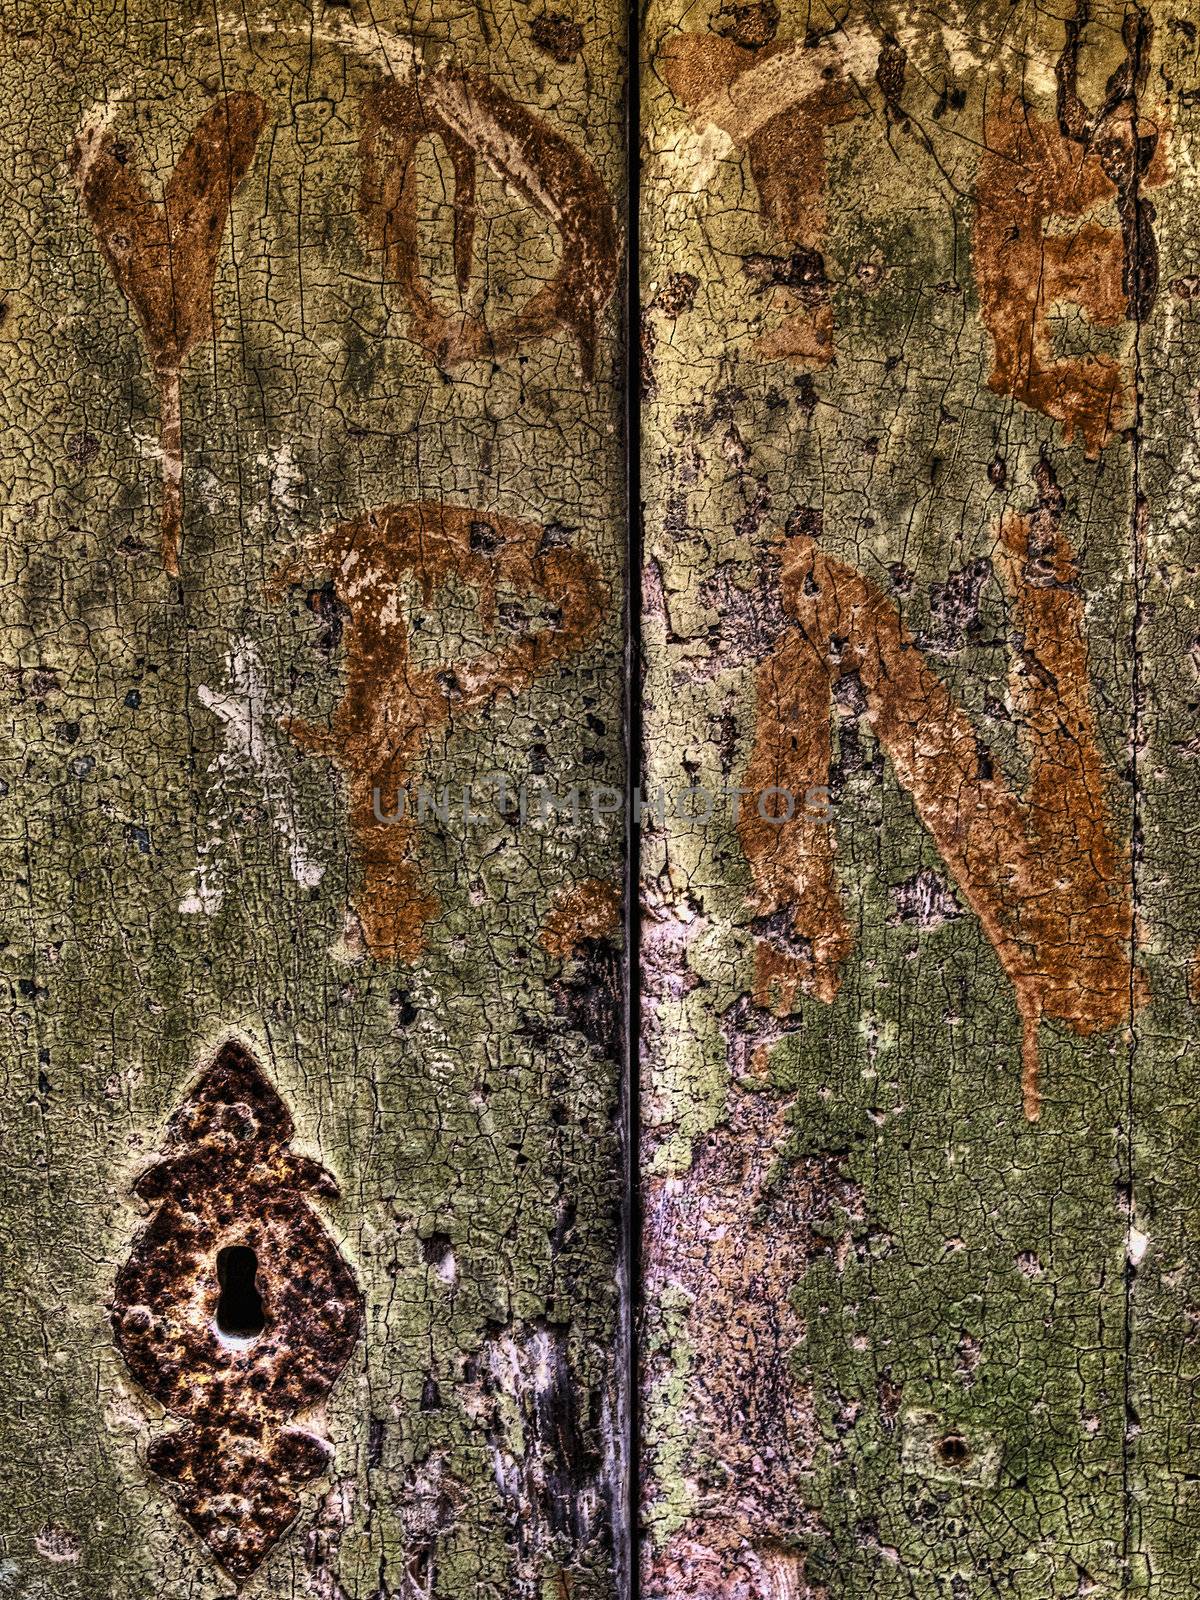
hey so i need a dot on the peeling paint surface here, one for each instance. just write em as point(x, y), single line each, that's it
point(184, 203)
point(316, 376)
point(931, 567)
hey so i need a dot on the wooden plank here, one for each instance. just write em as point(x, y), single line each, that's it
point(1163, 1260)
point(312, 428)
point(916, 1115)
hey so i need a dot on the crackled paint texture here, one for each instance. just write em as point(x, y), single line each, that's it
point(391, 706)
point(920, 445)
point(310, 327)
point(249, 325)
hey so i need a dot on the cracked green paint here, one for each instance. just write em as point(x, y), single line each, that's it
point(177, 869)
point(980, 1375)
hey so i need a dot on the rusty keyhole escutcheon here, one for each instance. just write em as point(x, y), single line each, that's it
point(235, 1310)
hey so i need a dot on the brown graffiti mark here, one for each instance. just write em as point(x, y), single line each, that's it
point(163, 256)
point(558, 36)
point(391, 704)
point(235, 1310)
point(778, 99)
point(752, 25)
point(583, 927)
point(588, 910)
point(1035, 173)
point(474, 118)
point(1044, 872)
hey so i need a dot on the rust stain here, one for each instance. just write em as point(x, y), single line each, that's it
point(475, 118)
point(228, 1180)
point(163, 256)
point(1044, 872)
point(589, 910)
point(1035, 173)
point(391, 705)
point(777, 99)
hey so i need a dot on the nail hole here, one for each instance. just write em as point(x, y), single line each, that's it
point(954, 1450)
point(240, 1308)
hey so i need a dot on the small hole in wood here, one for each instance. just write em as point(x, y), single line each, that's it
point(240, 1308)
point(954, 1450)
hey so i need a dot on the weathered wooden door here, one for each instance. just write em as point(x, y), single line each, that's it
point(387, 1210)
point(919, 435)
point(314, 535)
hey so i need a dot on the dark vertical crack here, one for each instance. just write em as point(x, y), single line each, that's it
point(626, 1496)
point(1141, 283)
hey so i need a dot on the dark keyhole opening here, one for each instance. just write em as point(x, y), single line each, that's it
point(240, 1308)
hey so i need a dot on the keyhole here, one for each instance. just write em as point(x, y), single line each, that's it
point(240, 1308)
point(954, 1450)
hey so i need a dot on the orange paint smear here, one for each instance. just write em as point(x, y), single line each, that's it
point(1045, 872)
point(474, 118)
point(787, 163)
point(1030, 174)
point(391, 705)
point(590, 909)
point(163, 256)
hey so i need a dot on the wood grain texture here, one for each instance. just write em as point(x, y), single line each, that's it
point(918, 1082)
point(185, 195)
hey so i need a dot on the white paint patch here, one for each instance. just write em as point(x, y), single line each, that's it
point(447, 1269)
point(208, 489)
point(396, 55)
point(149, 448)
point(690, 164)
point(207, 891)
point(253, 748)
point(1136, 1246)
point(745, 105)
point(455, 101)
point(97, 121)
point(285, 476)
